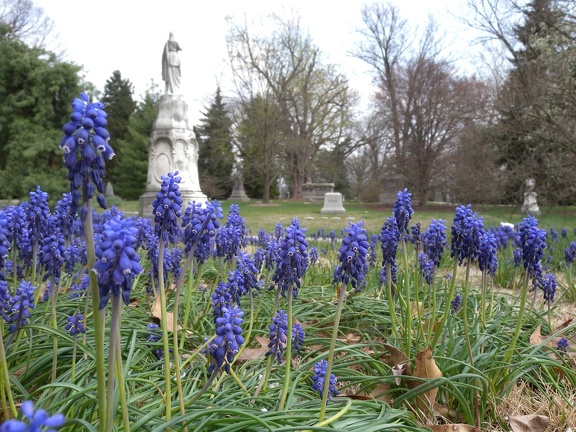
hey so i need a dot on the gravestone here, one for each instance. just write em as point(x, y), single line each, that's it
point(238, 192)
point(172, 146)
point(333, 203)
point(530, 205)
point(315, 192)
point(109, 190)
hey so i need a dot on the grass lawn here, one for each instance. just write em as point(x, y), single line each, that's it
point(265, 216)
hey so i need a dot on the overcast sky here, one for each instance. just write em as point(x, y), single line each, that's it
point(129, 36)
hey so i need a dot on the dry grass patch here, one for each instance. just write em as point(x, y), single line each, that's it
point(524, 399)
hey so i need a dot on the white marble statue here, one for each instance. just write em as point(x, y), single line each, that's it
point(171, 66)
point(530, 204)
point(173, 145)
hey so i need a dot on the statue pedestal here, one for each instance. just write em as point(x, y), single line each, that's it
point(238, 195)
point(238, 192)
point(173, 147)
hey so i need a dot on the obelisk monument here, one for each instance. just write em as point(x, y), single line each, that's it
point(173, 145)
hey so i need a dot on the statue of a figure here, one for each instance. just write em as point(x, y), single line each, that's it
point(171, 65)
point(530, 205)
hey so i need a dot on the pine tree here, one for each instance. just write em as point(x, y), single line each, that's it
point(133, 167)
point(120, 106)
point(215, 156)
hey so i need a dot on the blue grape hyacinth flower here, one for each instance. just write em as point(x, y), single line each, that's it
point(434, 241)
point(292, 259)
point(167, 208)
point(200, 223)
point(570, 253)
point(232, 236)
point(426, 266)
point(563, 345)
point(403, 210)
point(155, 335)
point(278, 331)
point(52, 254)
point(352, 257)
point(548, 285)
point(85, 145)
point(74, 324)
point(532, 241)
point(298, 335)
point(456, 303)
point(488, 254)
point(21, 305)
point(318, 380)
point(37, 420)
point(467, 231)
point(37, 215)
point(118, 262)
point(389, 238)
point(228, 340)
point(5, 302)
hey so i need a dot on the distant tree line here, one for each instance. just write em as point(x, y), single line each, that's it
point(293, 117)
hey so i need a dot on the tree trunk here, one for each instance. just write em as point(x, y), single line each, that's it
point(266, 191)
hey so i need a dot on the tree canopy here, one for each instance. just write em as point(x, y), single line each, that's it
point(36, 90)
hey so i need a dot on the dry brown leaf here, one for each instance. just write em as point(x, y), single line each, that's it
point(417, 309)
point(426, 368)
point(352, 338)
point(380, 392)
point(396, 356)
point(157, 313)
point(528, 423)
point(254, 353)
point(536, 337)
point(454, 428)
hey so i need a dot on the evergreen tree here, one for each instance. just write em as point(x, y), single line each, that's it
point(120, 106)
point(215, 156)
point(133, 167)
point(35, 94)
point(535, 100)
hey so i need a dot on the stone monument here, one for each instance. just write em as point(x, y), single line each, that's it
point(530, 205)
point(283, 189)
point(173, 145)
point(333, 203)
point(109, 191)
point(316, 192)
point(238, 192)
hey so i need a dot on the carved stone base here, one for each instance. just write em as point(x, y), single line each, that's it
point(147, 198)
point(238, 196)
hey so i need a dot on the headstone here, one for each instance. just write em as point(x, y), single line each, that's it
point(530, 205)
point(109, 190)
point(238, 192)
point(172, 146)
point(333, 203)
point(314, 192)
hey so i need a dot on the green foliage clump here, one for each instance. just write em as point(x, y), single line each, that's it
point(35, 91)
